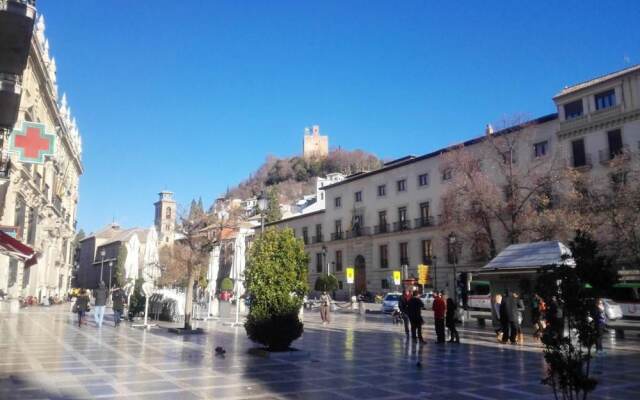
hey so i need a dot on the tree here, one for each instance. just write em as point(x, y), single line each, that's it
point(326, 283)
point(276, 279)
point(119, 273)
point(273, 212)
point(593, 268)
point(492, 195)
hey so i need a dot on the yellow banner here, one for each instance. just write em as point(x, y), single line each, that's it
point(350, 275)
point(423, 274)
point(396, 278)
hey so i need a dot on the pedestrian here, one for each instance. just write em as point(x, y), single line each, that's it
point(539, 309)
point(81, 306)
point(495, 316)
point(451, 320)
point(554, 322)
point(403, 304)
point(414, 312)
point(325, 308)
point(119, 299)
point(439, 308)
point(601, 323)
point(508, 316)
point(100, 298)
point(518, 316)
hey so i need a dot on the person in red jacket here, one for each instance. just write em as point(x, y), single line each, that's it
point(439, 310)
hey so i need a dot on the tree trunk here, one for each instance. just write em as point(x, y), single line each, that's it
point(188, 303)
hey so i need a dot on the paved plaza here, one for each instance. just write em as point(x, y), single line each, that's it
point(44, 355)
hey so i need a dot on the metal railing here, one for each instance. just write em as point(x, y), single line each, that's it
point(354, 233)
point(606, 155)
point(401, 226)
point(317, 239)
point(423, 222)
point(579, 164)
point(337, 235)
point(382, 228)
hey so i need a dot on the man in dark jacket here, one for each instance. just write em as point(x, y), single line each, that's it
point(414, 309)
point(509, 312)
point(119, 300)
point(100, 296)
point(439, 310)
point(403, 305)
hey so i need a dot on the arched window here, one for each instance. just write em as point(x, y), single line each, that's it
point(169, 212)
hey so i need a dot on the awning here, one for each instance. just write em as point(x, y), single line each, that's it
point(12, 247)
point(529, 257)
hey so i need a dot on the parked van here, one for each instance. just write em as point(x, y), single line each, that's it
point(627, 295)
point(480, 295)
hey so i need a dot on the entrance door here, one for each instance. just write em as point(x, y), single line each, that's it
point(361, 275)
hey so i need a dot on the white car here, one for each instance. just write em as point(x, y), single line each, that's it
point(427, 299)
point(390, 302)
point(612, 309)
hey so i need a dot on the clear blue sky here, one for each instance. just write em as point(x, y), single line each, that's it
point(192, 95)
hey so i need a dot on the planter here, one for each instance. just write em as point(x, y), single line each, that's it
point(224, 309)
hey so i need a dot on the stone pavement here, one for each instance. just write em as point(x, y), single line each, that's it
point(44, 355)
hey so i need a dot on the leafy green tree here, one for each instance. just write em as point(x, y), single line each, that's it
point(226, 285)
point(326, 283)
point(136, 303)
point(119, 273)
point(273, 212)
point(591, 266)
point(276, 279)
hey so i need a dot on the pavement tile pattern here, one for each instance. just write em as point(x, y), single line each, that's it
point(44, 355)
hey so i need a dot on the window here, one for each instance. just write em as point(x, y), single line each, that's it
point(358, 196)
point(19, 217)
point(447, 174)
point(404, 253)
point(427, 252)
point(305, 235)
point(33, 224)
point(318, 233)
point(337, 202)
point(423, 180)
point(573, 109)
point(509, 156)
point(340, 285)
point(402, 185)
point(338, 260)
point(384, 256)
point(402, 217)
point(605, 99)
point(384, 284)
point(338, 229)
point(540, 149)
point(382, 221)
point(579, 156)
point(382, 190)
point(424, 214)
point(319, 263)
point(614, 138)
point(168, 212)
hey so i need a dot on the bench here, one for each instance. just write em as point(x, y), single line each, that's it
point(620, 328)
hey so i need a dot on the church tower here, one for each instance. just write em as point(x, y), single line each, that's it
point(165, 220)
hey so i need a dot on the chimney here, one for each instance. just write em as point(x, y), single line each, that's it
point(488, 130)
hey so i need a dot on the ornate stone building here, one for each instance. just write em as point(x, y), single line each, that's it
point(165, 220)
point(39, 191)
point(315, 144)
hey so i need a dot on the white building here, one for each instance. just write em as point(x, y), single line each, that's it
point(381, 220)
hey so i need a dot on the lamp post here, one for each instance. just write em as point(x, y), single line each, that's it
point(452, 246)
point(324, 258)
point(110, 269)
point(263, 203)
point(435, 273)
point(102, 254)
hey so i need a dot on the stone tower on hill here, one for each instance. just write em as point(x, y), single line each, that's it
point(165, 220)
point(314, 144)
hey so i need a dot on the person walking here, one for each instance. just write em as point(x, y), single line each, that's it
point(601, 323)
point(495, 316)
point(507, 310)
point(325, 308)
point(439, 308)
point(100, 298)
point(403, 305)
point(451, 320)
point(518, 317)
point(414, 312)
point(81, 306)
point(539, 309)
point(118, 299)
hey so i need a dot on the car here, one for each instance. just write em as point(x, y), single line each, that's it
point(390, 302)
point(612, 309)
point(427, 299)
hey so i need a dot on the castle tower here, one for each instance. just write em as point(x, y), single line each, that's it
point(165, 220)
point(314, 144)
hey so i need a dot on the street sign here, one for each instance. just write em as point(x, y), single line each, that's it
point(32, 143)
point(350, 275)
point(423, 274)
point(396, 278)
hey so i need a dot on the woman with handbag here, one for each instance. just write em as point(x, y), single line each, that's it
point(82, 306)
point(451, 319)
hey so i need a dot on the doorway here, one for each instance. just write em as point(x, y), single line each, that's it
point(361, 275)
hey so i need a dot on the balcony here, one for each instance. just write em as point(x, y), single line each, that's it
point(382, 228)
point(337, 235)
point(581, 165)
point(404, 261)
point(605, 156)
point(423, 222)
point(364, 231)
point(317, 239)
point(401, 226)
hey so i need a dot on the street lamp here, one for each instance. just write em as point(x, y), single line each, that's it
point(110, 268)
point(452, 247)
point(324, 258)
point(263, 203)
point(435, 272)
point(102, 254)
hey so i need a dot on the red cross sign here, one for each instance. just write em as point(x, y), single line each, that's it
point(32, 143)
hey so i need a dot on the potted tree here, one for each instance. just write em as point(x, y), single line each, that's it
point(226, 289)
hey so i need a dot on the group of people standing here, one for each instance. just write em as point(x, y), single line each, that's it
point(82, 304)
point(444, 313)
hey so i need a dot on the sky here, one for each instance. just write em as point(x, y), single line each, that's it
point(192, 96)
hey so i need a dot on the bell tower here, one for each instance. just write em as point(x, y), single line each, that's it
point(165, 219)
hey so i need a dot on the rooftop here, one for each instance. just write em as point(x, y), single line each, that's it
point(591, 82)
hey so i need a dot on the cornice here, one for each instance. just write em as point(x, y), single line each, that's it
point(597, 122)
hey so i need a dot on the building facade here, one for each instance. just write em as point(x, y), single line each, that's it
point(382, 220)
point(39, 198)
point(314, 144)
point(165, 219)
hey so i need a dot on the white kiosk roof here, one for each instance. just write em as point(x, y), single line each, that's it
point(531, 255)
